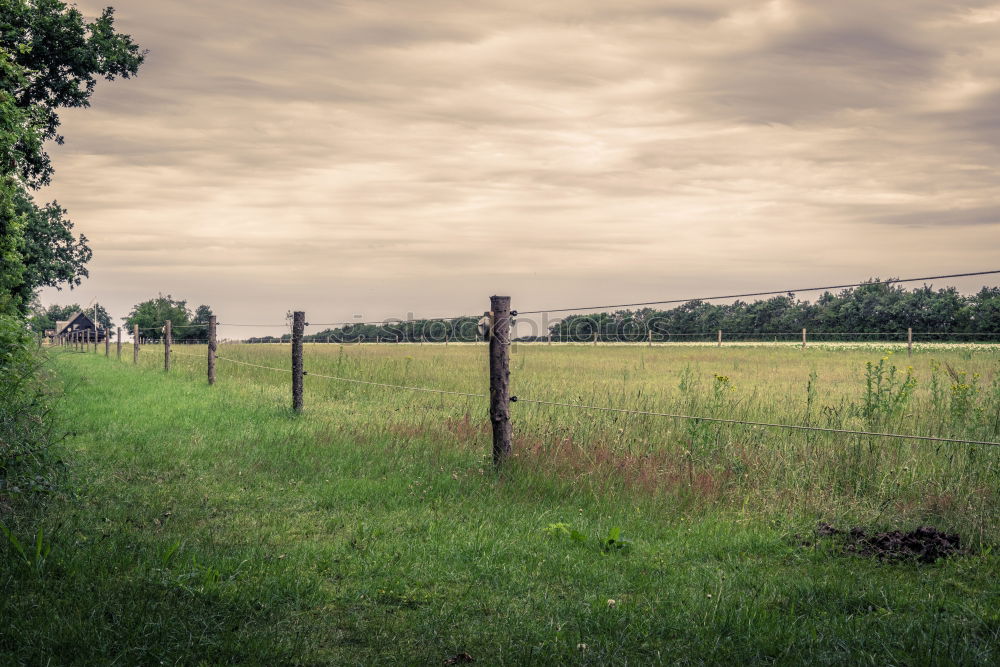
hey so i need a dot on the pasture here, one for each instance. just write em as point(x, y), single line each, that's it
point(211, 524)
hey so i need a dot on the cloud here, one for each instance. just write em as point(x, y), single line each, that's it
point(561, 151)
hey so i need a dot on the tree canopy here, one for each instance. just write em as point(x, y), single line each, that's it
point(59, 55)
point(50, 58)
point(43, 318)
point(876, 307)
point(151, 316)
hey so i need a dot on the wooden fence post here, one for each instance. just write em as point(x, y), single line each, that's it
point(720, 338)
point(595, 336)
point(298, 326)
point(107, 342)
point(500, 377)
point(119, 349)
point(803, 338)
point(167, 340)
point(211, 349)
point(909, 341)
point(135, 345)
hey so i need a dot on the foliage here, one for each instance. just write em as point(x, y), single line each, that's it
point(151, 316)
point(52, 254)
point(887, 391)
point(59, 55)
point(40, 319)
point(875, 307)
point(461, 329)
point(25, 430)
point(50, 58)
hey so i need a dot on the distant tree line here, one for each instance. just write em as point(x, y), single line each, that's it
point(462, 329)
point(876, 308)
point(873, 308)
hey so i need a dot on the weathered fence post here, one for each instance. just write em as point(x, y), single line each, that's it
point(211, 349)
point(135, 345)
point(550, 338)
point(595, 336)
point(107, 343)
point(298, 326)
point(167, 340)
point(500, 377)
point(119, 348)
point(909, 341)
point(720, 339)
point(803, 338)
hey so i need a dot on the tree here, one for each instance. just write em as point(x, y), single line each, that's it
point(42, 318)
point(19, 131)
point(60, 56)
point(151, 316)
point(52, 255)
point(50, 57)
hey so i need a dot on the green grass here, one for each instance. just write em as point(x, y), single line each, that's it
point(210, 525)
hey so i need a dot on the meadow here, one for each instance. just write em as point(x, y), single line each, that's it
point(210, 524)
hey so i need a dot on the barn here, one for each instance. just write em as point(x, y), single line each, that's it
point(78, 322)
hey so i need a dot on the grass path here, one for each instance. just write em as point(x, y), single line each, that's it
point(208, 525)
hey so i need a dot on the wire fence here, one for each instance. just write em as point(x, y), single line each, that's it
point(496, 330)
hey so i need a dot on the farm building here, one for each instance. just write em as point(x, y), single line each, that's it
point(78, 322)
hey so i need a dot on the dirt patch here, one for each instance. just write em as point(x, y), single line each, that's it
point(925, 544)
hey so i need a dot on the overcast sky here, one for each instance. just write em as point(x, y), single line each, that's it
point(385, 157)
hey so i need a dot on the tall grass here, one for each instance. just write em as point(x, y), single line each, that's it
point(939, 391)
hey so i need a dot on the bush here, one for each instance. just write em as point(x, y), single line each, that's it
point(26, 431)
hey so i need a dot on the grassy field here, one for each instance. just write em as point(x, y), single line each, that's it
point(210, 525)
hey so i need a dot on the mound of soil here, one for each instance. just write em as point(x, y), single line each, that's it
point(925, 544)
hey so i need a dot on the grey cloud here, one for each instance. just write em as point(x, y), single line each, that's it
point(644, 137)
point(980, 215)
